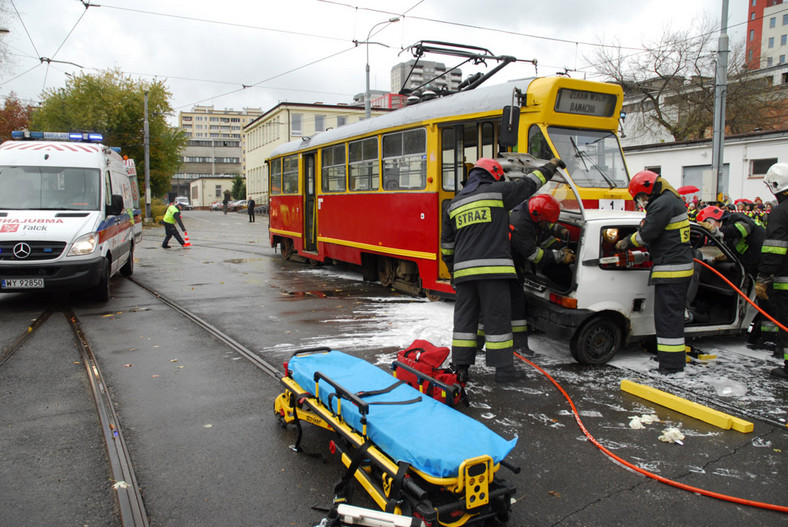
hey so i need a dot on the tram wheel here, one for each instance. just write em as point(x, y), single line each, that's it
point(386, 271)
point(286, 248)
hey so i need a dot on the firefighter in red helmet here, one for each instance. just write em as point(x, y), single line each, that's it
point(475, 248)
point(666, 232)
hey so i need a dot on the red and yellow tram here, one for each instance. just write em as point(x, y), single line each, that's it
point(371, 193)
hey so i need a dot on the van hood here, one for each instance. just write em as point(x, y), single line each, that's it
point(46, 225)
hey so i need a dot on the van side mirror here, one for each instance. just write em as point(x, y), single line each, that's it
point(510, 124)
point(116, 205)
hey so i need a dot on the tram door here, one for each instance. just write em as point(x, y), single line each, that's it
point(310, 213)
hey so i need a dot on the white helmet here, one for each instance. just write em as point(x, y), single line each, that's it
point(777, 178)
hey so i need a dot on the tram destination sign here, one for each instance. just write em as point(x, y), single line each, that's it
point(585, 102)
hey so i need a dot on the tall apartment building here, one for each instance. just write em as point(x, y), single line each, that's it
point(213, 151)
point(423, 72)
point(767, 33)
point(282, 124)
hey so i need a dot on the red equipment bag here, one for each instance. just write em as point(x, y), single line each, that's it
point(420, 366)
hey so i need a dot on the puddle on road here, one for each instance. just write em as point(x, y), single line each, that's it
point(244, 260)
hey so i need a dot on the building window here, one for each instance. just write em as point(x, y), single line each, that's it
point(785, 20)
point(758, 167)
point(657, 169)
point(749, 56)
point(320, 123)
point(783, 39)
point(333, 169)
point(752, 15)
point(772, 22)
point(341, 121)
point(771, 42)
point(753, 2)
point(752, 35)
point(769, 62)
point(364, 166)
point(405, 160)
point(218, 191)
point(295, 124)
point(782, 59)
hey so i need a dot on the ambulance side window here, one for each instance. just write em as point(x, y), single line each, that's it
point(107, 189)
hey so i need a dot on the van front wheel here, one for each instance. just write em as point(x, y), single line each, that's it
point(597, 340)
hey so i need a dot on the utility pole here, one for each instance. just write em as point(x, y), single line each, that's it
point(148, 216)
point(720, 94)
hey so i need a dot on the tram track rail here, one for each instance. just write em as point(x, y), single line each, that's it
point(131, 508)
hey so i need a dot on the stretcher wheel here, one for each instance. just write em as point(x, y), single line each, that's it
point(280, 420)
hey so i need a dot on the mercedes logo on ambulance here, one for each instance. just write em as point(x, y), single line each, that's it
point(22, 250)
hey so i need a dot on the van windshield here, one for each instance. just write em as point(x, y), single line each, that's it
point(49, 188)
point(593, 157)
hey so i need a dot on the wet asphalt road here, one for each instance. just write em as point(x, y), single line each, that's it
point(207, 450)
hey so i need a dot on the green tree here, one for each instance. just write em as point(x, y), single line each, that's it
point(239, 187)
point(13, 116)
point(112, 103)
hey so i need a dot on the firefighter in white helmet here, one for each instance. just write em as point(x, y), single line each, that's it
point(772, 281)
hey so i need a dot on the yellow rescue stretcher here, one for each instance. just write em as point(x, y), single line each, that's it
point(413, 455)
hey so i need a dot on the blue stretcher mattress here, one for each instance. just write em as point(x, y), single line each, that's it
point(429, 435)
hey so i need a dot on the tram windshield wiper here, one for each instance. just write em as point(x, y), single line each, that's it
point(583, 156)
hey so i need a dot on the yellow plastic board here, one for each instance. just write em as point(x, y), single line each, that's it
point(679, 404)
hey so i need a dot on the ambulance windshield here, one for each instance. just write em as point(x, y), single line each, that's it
point(49, 188)
point(593, 157)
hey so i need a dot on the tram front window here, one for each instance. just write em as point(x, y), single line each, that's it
point(593, 158)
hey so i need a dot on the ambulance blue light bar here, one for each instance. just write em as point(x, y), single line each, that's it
point(82, 137)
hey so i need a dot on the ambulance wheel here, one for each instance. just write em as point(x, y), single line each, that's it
point(597, 340)
point(128, 267)
point(101, 290)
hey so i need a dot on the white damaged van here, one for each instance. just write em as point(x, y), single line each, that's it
point(603, 300)
point(68, 216)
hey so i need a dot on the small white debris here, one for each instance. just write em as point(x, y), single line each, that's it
point(671, 435)
point(120, 485)
point(637, 422)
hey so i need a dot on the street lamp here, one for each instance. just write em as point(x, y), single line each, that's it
point(367, 102)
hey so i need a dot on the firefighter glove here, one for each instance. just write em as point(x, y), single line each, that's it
point(557, 162)
point(760, 290)
point(623, 245)
point(567, 256)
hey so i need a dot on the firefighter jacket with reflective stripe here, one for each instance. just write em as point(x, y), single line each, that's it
point(666, 231)
point(774, 252)
point(475, 233)
point(528, 237)
point(744, 237)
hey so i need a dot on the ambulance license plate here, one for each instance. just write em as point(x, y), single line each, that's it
point(22, 283)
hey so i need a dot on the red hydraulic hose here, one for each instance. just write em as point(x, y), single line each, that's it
point(764, 313)
point(651, 475)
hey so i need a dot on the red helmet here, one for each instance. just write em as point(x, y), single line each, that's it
point(712, 212)
point(544, 207)
point(643, 183)
point(492, 166)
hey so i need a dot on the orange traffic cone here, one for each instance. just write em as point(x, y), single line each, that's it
point(186, 239)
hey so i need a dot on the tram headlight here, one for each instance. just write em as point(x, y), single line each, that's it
point(610, 235)
point(83, 245)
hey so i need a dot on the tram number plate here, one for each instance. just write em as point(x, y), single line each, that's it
point(22, 283)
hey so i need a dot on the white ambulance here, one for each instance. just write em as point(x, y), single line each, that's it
point(68, 215)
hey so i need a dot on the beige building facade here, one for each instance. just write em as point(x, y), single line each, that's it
point(282, 124)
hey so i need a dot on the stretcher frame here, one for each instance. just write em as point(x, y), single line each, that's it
point(472, 497)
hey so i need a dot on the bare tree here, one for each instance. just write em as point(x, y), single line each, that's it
point(671, 84)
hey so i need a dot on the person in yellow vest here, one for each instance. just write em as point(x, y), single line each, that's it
point(172, 215)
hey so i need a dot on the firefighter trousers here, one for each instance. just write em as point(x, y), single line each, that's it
point(669, 300)
point(486, 300)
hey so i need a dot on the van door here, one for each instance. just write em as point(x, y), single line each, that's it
point(310, 212)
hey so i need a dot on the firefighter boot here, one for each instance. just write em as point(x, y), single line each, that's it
point(508, 374)
point(521, 345)
point(781, 373)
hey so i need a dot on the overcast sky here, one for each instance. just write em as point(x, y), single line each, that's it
point(303, 50)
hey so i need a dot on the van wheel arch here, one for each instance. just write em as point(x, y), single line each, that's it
point(598, 339)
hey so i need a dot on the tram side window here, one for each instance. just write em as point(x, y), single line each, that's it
point(488, 140)
point(537, 144)
point(405, 160)
point(276, 176)
point(333, 169)
point(364, 166)
point(290, 175)
point(449, 164)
